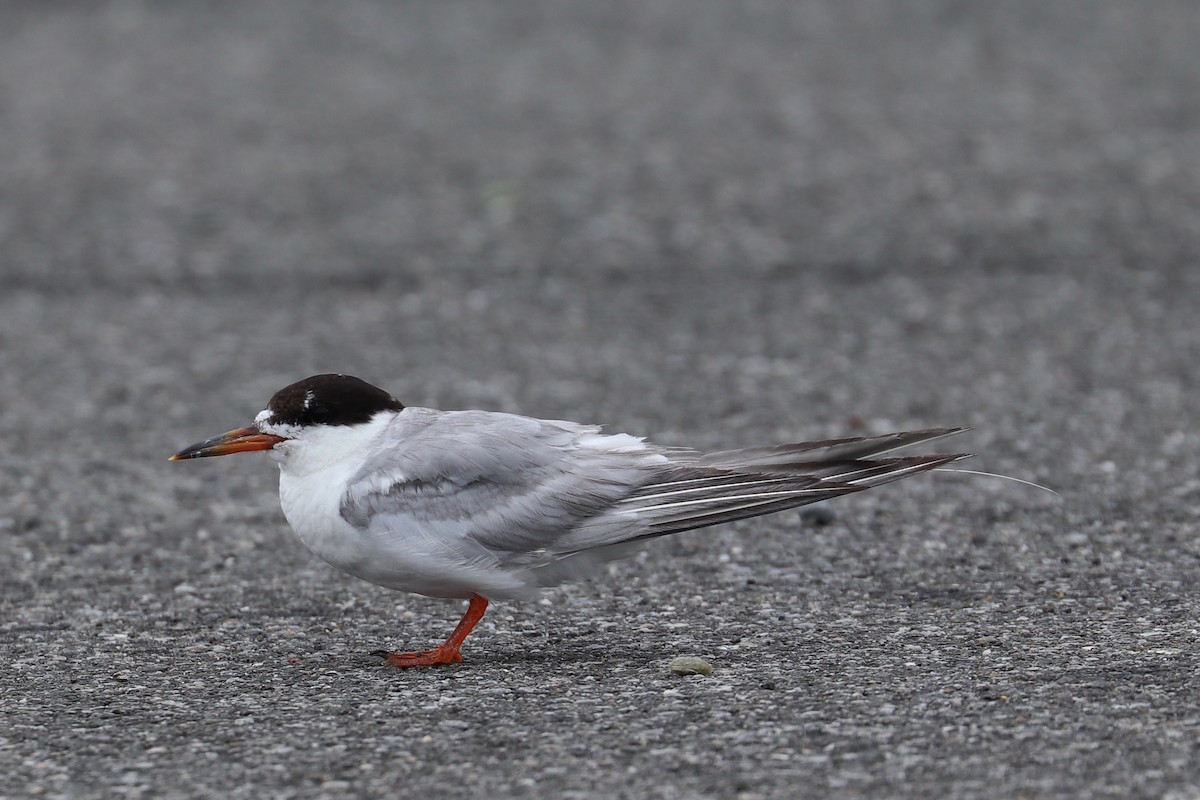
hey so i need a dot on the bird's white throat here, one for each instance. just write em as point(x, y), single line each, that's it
point(316, 448)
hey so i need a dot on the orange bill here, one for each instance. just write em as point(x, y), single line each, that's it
point(241, 440)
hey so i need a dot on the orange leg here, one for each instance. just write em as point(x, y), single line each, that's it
point(448, 651)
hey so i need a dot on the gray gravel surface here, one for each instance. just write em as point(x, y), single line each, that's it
point(713, 224)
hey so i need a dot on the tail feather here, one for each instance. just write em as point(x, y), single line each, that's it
point(697, 491)
point(827, 450)
point(738, 484)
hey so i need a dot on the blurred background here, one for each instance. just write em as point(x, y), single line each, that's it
point(713, 224)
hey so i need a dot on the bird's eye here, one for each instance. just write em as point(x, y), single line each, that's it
point(319, 414)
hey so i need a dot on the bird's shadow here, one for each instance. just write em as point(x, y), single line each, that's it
point(560, 656)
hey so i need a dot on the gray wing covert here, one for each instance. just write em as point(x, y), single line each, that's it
point(512, 484)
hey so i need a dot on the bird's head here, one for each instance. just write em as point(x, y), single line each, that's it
point(300, 412)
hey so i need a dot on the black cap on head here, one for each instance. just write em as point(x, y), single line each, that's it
point(329, 400)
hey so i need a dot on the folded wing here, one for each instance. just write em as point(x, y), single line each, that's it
point(524, 493)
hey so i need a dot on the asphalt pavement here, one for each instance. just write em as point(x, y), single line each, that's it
point(713, 224)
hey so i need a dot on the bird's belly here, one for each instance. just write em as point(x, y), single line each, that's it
point(315, 516)
point(386, 558)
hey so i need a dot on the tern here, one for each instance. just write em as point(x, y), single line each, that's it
point(483, 505)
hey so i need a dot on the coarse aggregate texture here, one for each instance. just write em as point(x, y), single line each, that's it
point(713, 224)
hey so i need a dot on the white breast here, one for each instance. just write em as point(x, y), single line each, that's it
point(311, 505)
point(314, 471)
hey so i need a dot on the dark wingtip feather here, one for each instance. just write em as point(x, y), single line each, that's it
point(696, 497)
point(794, 456)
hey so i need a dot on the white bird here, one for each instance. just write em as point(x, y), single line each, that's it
point(483, 505)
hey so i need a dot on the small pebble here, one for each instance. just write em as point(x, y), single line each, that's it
point(690, 665)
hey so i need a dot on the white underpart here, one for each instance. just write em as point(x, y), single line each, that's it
point(316, 466)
